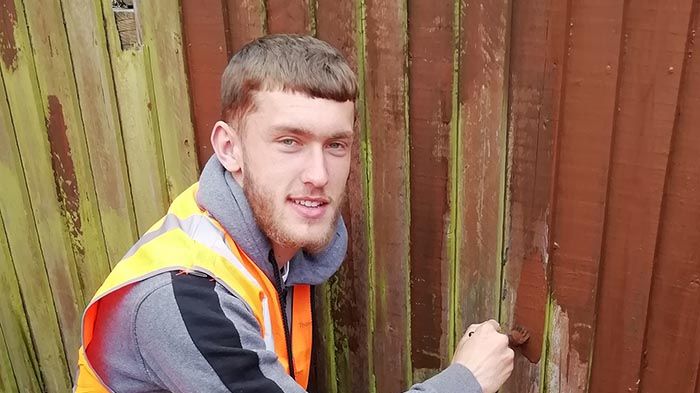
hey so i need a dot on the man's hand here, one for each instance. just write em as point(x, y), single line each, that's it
point(485, 352)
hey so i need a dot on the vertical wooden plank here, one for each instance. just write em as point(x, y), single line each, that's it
point(162, 35)
point(100, 116)
point(672, 343)
point(389, 193)
point(585, 139)
point(537, 62)
point(652, 64)
point(7, 376)
point(139, 123)
point(481, 155)
point(13, 322)
point(345, 364)
point(247, 20)
point(431, 50)
point(289, 16)
point(203, 24)
point(70, 156)
point(27, 107)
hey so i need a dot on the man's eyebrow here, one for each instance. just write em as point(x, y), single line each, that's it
point(306, 133)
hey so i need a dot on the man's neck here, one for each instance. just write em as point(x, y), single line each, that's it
point(283, 254)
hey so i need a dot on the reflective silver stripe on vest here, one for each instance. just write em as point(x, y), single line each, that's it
point(200, 229)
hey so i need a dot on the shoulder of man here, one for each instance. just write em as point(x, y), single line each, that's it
point(185, 332)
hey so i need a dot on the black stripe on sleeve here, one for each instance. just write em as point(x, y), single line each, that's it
point(216, 336)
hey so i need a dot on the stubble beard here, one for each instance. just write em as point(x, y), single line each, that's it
point(272, 223)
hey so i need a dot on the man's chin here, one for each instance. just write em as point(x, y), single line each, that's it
point(311, 242)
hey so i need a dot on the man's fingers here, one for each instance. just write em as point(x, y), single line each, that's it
point(491, 323)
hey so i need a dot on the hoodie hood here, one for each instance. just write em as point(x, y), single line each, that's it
point(224, 199)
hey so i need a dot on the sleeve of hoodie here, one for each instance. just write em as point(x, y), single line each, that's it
point(194, 336)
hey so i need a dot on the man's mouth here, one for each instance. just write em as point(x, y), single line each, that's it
point(308, 203)
point(310, 207)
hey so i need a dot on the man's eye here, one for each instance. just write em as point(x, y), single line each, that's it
point(336, 145)
point(288, 142)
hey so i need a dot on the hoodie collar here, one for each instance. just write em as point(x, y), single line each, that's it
point(221, 196)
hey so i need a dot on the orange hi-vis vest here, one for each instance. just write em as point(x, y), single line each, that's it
point(188, 239)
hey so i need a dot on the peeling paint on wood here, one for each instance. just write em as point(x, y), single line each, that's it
point(567, 371)
point(482, 161)
point(64, 170)
point(98, 107)
point(8, 20)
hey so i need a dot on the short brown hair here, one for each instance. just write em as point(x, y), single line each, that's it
point(285, 62)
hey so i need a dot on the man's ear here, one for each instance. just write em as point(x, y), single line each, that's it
point(227, 146)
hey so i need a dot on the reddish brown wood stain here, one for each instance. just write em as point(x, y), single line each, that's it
point(205, 43)
point(385, 81)
point(672, 351)
point(483, 33)
point(245, 22)
point(647, 94)
point(430, 98)
point(588, 111)
point(350, 291)
point(8, 20)
point(531, 305)
point(64, 170)
point(538, 34)
point(288, 16)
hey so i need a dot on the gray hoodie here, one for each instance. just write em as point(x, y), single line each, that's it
point(186, 333)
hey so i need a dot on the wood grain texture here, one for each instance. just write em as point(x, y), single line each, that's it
point(7, 377)
point(289, 16)
point(346, 360)
point(537, 61)
point(431, 52)
point(585, 140)
point(140, 127)
point(247, 20)
point(13, 320)
point(652, 60)
point(482, 157)
point(100, 117)
point(69, 152)
point(162, 37)
point(204, 28)
point(672, 343)
point(34, 273)
point(389, 199)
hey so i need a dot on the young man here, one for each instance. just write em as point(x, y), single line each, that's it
point(216, 296)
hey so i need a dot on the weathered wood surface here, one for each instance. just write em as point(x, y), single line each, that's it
point(69, 173)
point(342, 304)
point(481, 158)
point(433, 129)
point(388, 197)
point(100, 116)
point(170, 103)
point(204, 27)
point(534, 153)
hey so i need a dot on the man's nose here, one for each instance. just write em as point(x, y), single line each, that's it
point(315, 171)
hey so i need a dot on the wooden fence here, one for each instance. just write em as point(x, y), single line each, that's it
point(498, 140)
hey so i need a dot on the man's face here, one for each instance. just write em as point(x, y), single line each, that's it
point(295, 154)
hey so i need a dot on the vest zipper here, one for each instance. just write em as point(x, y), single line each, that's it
point(282, 292)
